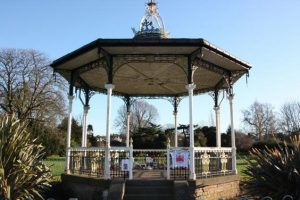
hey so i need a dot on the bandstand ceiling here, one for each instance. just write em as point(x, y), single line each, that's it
point(152, 67)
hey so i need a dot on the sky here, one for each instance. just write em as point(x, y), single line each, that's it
point(264, 33)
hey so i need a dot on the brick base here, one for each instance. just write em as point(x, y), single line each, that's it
point(225, 187)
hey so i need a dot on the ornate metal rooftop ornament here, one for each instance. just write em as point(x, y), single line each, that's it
point(151, 25)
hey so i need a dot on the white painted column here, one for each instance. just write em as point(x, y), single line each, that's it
point(84, 126)
point(230, 98)
point(67, 165)
point(190, 88)
point(127, 129)
point(109, 88)
point(218, 128)
point(130, 159)
point(168, 159)
point(175, 130)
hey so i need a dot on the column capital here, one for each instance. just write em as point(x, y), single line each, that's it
point(128, 113)
point(230, 96)
point(109, 86)
point(175, 113)
point(86, 108)
point(217, 108)
point(71, 97)
point(191, 86)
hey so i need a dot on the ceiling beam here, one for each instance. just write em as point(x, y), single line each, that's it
point(101, 62)
point(210, 67)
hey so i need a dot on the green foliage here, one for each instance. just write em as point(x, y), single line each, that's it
point(76, 131)
point(151, 137)
point(52, 138)
point(275, 171)
point(22, 174)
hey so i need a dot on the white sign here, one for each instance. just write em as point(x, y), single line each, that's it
point(149, 160)
point(125, 165)
point(180, 158)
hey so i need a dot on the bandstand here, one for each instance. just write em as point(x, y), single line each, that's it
point(151, 65)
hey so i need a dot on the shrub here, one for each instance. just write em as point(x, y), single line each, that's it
point(22, 173)
point(275, 171)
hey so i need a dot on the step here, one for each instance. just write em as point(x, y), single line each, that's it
point(162, 183)
point(148, 197)
point(149, 190)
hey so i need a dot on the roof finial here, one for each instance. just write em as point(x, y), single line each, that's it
point(151, 25)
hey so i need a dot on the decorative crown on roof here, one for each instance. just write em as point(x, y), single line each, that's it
point(151, 25)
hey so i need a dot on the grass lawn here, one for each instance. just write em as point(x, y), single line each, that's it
point(241, 165)
point(57, 166)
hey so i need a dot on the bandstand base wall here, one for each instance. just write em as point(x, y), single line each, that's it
point(84, 187)
point(216, 188)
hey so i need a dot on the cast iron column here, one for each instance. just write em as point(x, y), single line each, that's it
point(230, 98)
point(84, 126)
point(190, 88)
point(175, 130)
point(109, 88)
point(71, 98)
point(218, 129)
point(127, 129)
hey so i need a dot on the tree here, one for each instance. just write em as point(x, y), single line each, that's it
point(142, 115)
point(260, 119)
point(76, 130)
point(290, 117)
point(28, 87)
point(22, 172)
point(151, 137)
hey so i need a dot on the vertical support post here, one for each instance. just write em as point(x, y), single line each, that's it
point(168, 159)
point(84, 126)
point(190, 88)
point(127, 129)
point(67, 165)
point(130, 159)
point(230, 98)
point(175, 130)
point(109, 88)
point(218, 128)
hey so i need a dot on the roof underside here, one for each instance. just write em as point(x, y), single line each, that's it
point(150, 67)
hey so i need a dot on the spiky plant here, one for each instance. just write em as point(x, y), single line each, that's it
point(275, 171)
point(22, 173)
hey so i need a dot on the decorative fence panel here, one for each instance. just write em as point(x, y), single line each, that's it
point(87, 161)
point(119, 162)
point(212, 161)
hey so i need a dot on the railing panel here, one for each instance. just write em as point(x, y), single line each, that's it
point(213, 161)
point(119, 163)
point(149, 159)
point(87, 162)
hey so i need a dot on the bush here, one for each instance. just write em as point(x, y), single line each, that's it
point(275, 171)
point(22, 173)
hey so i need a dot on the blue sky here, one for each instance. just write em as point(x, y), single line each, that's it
point(264, 33)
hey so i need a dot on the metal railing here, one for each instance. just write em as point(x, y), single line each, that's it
point(213, 161)
point(124, 161)
point(87, 161)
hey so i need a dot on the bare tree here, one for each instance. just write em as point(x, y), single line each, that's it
point(28, 87)
point(290, 117)
point(142, 115)
point(260, 119)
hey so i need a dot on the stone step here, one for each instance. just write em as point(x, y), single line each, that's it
point(148, 197)
point(163, 183)
point(149, 189)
